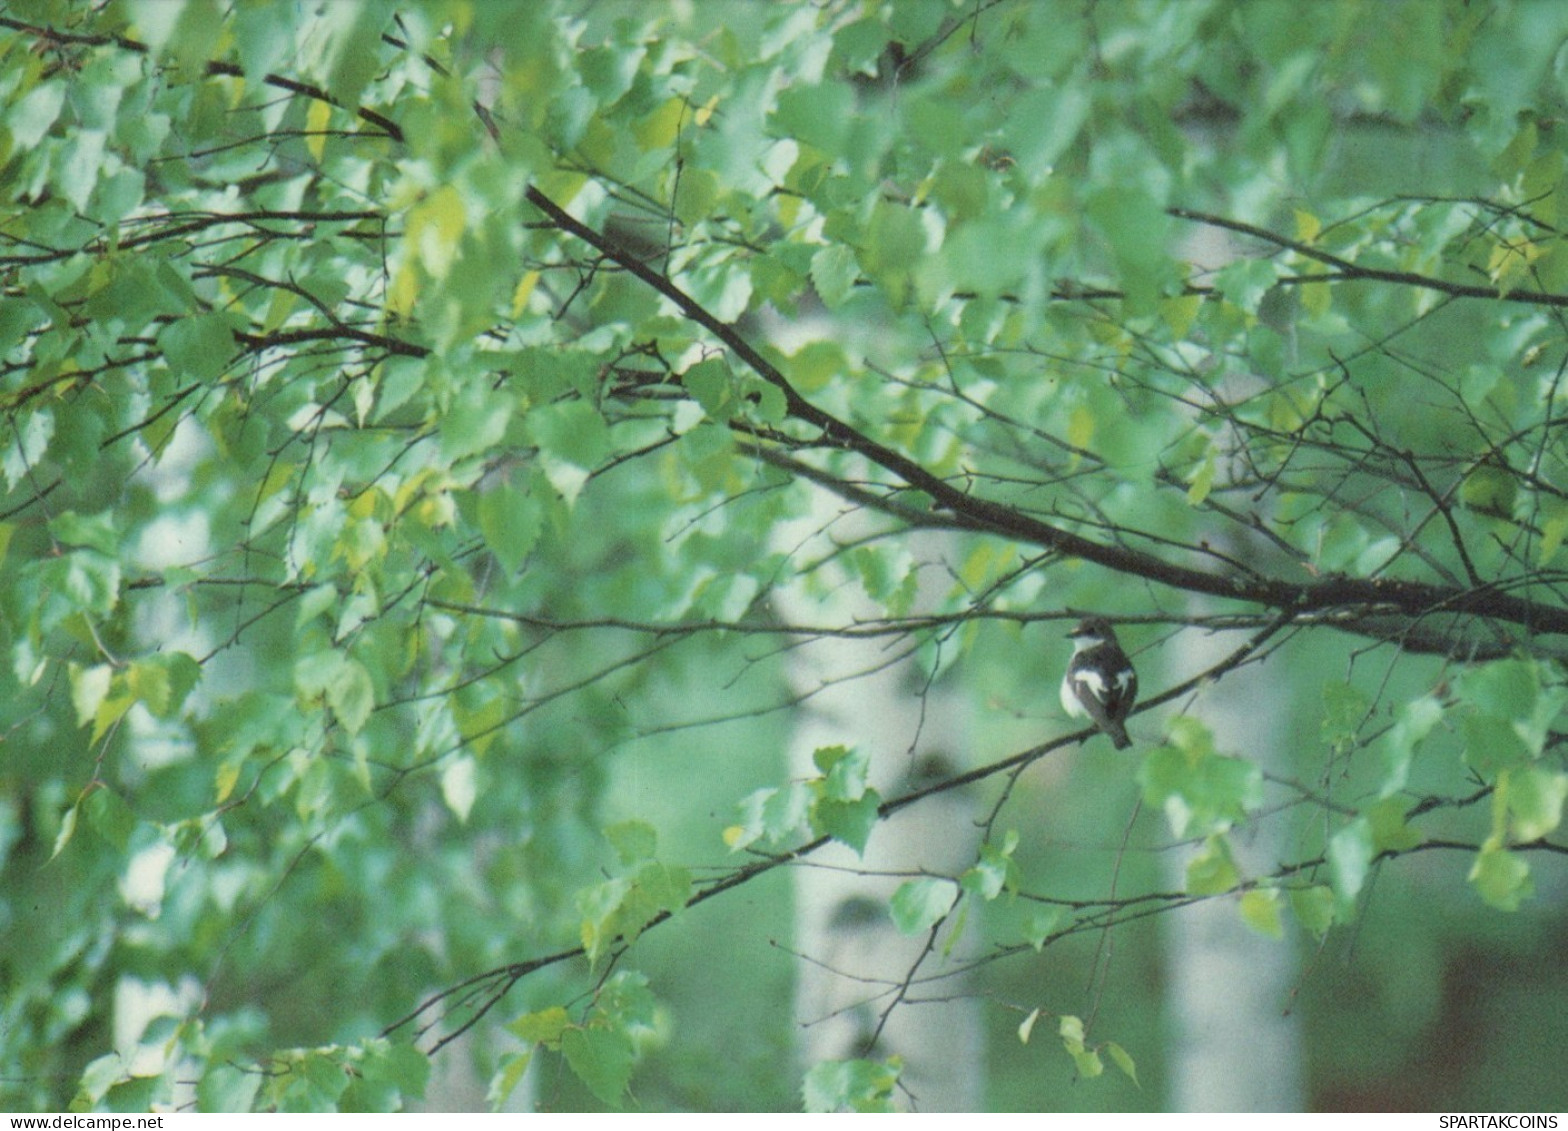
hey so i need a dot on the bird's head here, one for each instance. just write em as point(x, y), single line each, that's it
point(1092, 631)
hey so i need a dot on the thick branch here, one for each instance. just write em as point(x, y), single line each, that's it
point(975, 513)
point(1349, 272)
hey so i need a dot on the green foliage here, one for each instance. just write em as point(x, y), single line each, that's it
point(851, 1085)
point(1200, 790)
point(1086, 1059)
point(843, 805)
point(918, 905)
point(601, 1049)
point(413, 418)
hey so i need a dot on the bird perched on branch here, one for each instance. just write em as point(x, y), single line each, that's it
point(1100, 683)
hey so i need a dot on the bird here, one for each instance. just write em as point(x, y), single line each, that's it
point(1100, 683)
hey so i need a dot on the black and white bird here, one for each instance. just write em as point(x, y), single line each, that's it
point(1100, 683)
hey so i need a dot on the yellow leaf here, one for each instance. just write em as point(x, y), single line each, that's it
point(434, 228)
point(525, 288)
point(110, 711)
point(315, 127)
point(405, 289)
point(1553, 529)
point(1260, 911)
point(1509, 261)
point(1202, 481)
point(1180, 312)
point(227, 778)
point(658, 129)
point(1307, 226)
point(1080, 427)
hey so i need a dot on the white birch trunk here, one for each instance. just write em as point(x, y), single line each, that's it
point(854, 996)
point(1233, 1046)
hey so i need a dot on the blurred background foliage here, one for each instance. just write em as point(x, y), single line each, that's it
point(387, 592)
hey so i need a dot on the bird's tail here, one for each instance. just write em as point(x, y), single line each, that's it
point(1118, 735)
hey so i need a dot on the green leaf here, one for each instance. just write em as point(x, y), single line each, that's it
point(1026, 1027)
point(697, 196)
point(503, 1083)
point(545, 1027)
point(351, 695)
point(89, 688)
point(475, 422)
point(1246, 281)
point(435, 227)
point(199, 347)
point(601, 924)
point(1260, 910)
point(1535, 797)
point(1123, 1060)
point(511, 521)
point(163, 682)
point(1088, 1063)
point(620, 908)
point(1046, 121)
point(397, 1064)
point(1502, 878)
point(460, 785)
point(1492, 744)
point(1390, 831)
point(1314, 908)
point(149, 684)
point(834, 271)
point(95, 531)
point(570, 430)
point(602, 1059)
point(1134, 224)
point(849, 822)
point(317, 117)
point(85, 581)
point(918, 905)
point(1554, 527)
point(572, 439)
point(1349, 861)
point(1041, 923)
point(1202, 480)
point(78, 172)
point(1346, 709)
point(66, 831)
point(26, 443)
point(1213, 870)
point(1397, 747)
point(634, 841)
point(1199, 790)
point(827, 759)
point(1491, 487)
point(995, 870)
point(712, 384)
point(1071, 1029)
point(30, 117)
point(819, 114)
point(1086, 1060)
point(100, 1075)
point(227, 1088)
point(895, 242)
point(1509, 709)
point(770, 814)
point(852, 1085)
